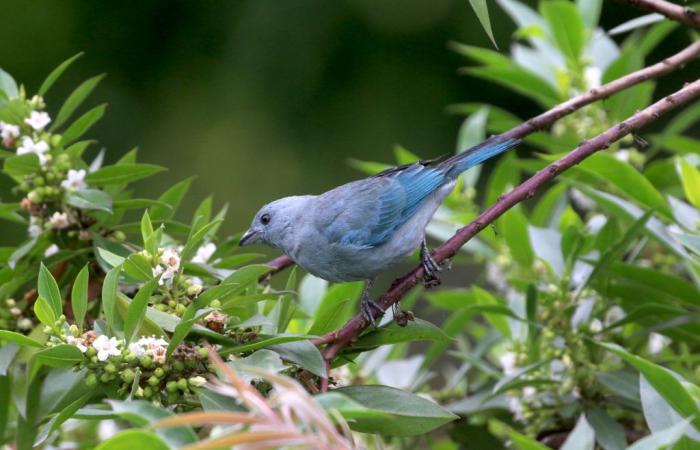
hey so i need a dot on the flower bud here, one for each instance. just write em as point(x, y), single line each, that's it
point(91, 351)
point(159, 372)
point(216, 303)
point(127, 375)
point(197, 381)
point(111, 368)
point(147, 392)
point(193, 290)
point(203, 352)
point(10, 302)
point(74, 331)
point(171, 386)
point(153, 381)
point(147, 362)
point(34, 197)
point(182, 384)
point(138, 392)
point(91, 380)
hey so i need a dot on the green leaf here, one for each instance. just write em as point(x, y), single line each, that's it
point(609, 434)
point(83, 124)
point(137, 310)
point(303, 353)
point(582, 437)
point(336, 308)
point(133, 438)
point(590, 13)
point(48, 289)
point(142, 414)
point(90, 199)
point(19, 166)
point(266, 341)
point(109, 294)
point(285, 307)
point(520, 441)
point(198, 237)
point(392, 333)
point(79, 296)
point(146, 233)
point(8, 85)
point(662, 439)
point(566, 26)
point(513, 226)
point(44, 312)
point(62, 355)
point(663, 381)
point(172, 197)
point(121, 174)
point(386, 410)
point(690, 176)
point(56, 73)
point(75, 99)
point(518, 80)
point(626, 178)
point(138, 267)
point(17, 338)
point(482, 12)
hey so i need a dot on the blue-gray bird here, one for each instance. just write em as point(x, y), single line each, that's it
point(360, 229)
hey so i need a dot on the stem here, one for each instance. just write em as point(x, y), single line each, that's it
point(351, 331)
point(547, 118)
point(683, 14)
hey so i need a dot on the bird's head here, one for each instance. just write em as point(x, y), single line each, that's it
point(275, 223)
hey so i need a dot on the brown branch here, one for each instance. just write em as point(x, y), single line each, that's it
point(350, 332)
point(548, 117)
point(683, 14)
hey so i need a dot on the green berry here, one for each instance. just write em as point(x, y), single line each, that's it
point(159, 372)
point(147, 362)
point(171, 386)
point(91, 380)
point(110, 368)
point(182, 384)
point(203, 352)
point(153, 381)
point(178, 365)
point(127, 375)
point(216, 303)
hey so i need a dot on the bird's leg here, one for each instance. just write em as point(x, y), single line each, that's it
point(430, 266)
point(368, 306)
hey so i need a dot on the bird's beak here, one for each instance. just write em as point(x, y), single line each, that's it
point(249, 237)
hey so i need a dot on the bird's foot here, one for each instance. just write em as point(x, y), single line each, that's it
point(368, 308)
point(402, 317)
point(430, 267)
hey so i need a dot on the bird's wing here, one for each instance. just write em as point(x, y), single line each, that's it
point(367, 212)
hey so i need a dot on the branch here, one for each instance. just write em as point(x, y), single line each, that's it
point(683, 14)
point(351, 331)
point(547, 118)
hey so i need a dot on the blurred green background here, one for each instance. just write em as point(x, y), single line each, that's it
point(261, 98)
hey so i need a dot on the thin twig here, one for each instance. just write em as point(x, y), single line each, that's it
point(548, 117)
point(683, 14)
point(350, 332)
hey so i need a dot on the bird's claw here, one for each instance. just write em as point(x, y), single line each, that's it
point(368, 308)
point(430, 267)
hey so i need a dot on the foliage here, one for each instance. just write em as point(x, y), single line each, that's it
point(582, 329)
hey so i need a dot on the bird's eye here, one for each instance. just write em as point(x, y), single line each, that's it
point(265, 219)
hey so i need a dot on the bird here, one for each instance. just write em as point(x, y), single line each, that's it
point(360, 229)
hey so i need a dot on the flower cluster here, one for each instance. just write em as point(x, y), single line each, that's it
point(43, 190)
point(139, 368)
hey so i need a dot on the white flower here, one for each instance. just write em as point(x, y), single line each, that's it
point(614, 314)
point(38, 148)
point(657, 342)
point(623, 155)
point(197, 381)
point(516, 408)
point(78, 342)
point(204, 253)
point(593, 77)
point(38, 120)
point(8, 133)
point(148, 346)
point(171, 259)
point(508, 362)
point(74, 180)
point(596, 326)
point(59, 220)
point(34, 230)
point(52, 250)
point(106, 347)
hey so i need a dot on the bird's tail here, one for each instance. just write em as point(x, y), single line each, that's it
point(477, 154)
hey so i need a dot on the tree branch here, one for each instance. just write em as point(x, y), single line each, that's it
point(547, 118)
point(683, 14)
point(350, 332)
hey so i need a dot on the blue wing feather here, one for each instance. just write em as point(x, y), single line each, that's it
point(376, 207)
